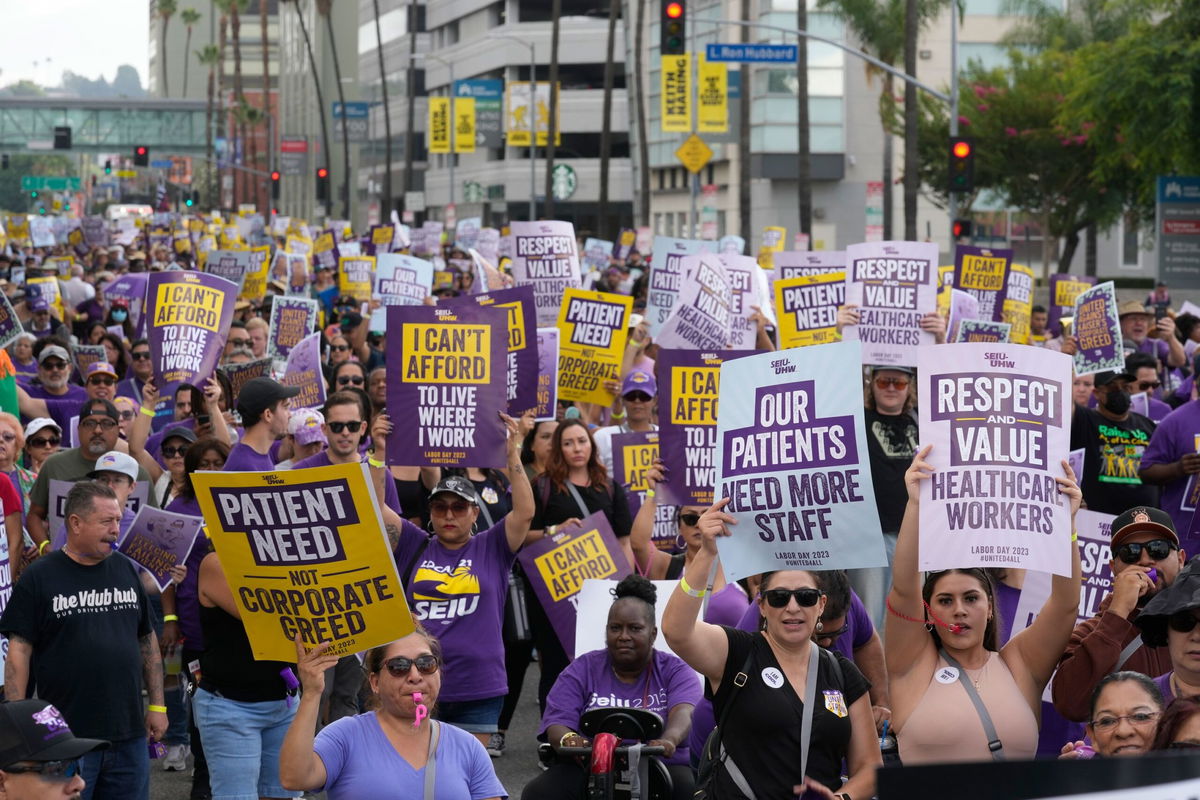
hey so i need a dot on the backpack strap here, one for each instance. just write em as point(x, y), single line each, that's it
point(406, 573)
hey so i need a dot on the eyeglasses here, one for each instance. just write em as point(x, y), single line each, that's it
point(689, 519)
point(778, 598)
point(241, 342)
point(343, 380)
point(8, 437)
point(1183, 621)
point(400, 666)
point(141, 355)
point(107, 424)
point(339, 348)
point(54, 365)
point(50, 770)
point(173, 452)
point(895, 383)
point(459, 507)
point(101, 381)
point(1146, 386)
point(832, 635)
point(1158, 549)
point(211, 465)
point(1138, 719)
point(638, 397)
point(338, 427)
point(127, 415)
point(51, 442)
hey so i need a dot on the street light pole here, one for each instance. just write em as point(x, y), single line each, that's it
point(533, 121)
point(450, 66)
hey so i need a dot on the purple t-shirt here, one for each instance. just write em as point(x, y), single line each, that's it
point(589, 682)
point(244, 458)
point(727, 606)
point(1172, 440)
point(391, 498)
point(187, 599)
point(459, 596)
point(1163, 682)
point(130, 387)
point(361, 762)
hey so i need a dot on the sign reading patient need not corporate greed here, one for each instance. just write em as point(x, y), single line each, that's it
point(522, 358)
point(558, 565)
point(188, 316)
point(998, 417)
point(807, 306)
point(592, 329)
point(1097, 331)
point(447, 386)
point(304, 553)
point(546, 257)
point(894, 285)
point(792, 459)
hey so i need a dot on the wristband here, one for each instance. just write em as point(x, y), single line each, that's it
point(1074, 536)
point(550, 531)
point(615, 415)
point(149, 412)
point(562, 742)
point(375, 462)
point(42, 547)
point(649, 493)
point(689, 591)
point(170, 618)
point(159, 709)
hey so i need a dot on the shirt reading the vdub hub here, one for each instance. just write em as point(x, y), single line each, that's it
point(1112, 457)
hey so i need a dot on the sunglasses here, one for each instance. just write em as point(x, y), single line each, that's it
point(127, 415)
point(54, 365)
point(339, 348)
point(240, 342)
point(95, 381)
point(778, 598)
point(348, 379)
point(1131, 552)
point(1146, 386)
point(832, 635)
point(689, 519)
point(51, 442)
point(638, 397)
point(400, 666)
point(141, 355)
point(338, 427)
point(50, 770)
point(172, 452)
point(460, 507)
point(105, 424)
point(1183, 621)
point(895, 383)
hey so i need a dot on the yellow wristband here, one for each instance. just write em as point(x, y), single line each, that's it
point(550, 531)
point(649, 493)
point(689, 591)
point(170, 618)
point(375, 462)
point(42, 547)
point(159, 709)
point(149, 412)
point(1074, 536)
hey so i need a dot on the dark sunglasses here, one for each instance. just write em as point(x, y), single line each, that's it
point(171, 452)
point(895, 383)
point(338, 427)
point(48, 364)
point(1148, 385)
point(344, 380)
point(1183, 621)
point(400, 666)
point(832, 635)
point(127, 415)
point(50, 770)
point(1158, 549)
point(638, 397)
point(241, 342)
point(101, 381)
point(460, 507)
point(778, 598)
point(689, 519)
point(52, 442)
point(339, 348)
point(141, 355)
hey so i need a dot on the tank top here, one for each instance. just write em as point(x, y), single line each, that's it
point(228, 666)
point(945, 726)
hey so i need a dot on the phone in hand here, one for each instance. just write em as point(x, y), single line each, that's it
point(1159, 313)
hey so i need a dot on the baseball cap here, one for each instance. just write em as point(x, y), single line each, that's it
point(454, 484)
point(259, 394)
point(179, 432)
point(40, 423)
point(1142, 519)
point(55, 351)
point(639, 381)
point(116, 461)
point(38, 303)
point(101, 368)
point(34, 730)
point(1108, 376)
point(307, 426)
point(881, 367)
point(89, 408)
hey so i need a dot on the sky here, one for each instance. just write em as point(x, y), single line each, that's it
point(87, 37)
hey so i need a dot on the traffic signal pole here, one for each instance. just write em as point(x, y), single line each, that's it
point(952, 202)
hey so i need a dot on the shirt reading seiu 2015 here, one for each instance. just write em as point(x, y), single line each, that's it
point(547, 258)
point(893, 285)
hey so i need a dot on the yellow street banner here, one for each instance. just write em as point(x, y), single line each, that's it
point(676, 94)
point(254, 288)
point(592, 328)
point(522, 115)
point(438, 131)
point(464, 124)
point(807, 308)
point(356, 276)
point(712, 99)
point(304, 553)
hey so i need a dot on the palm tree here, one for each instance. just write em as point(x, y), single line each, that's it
point(552, 127)
point(222, 41)
point(325, 8)
point(209, 56)
point(316, 76)
point(614, 11)
point(639, 38)
point(410, 118)
point(166, 10)
point(249, 116)
point(385, 211)
point(236, 7)
point(190, 17)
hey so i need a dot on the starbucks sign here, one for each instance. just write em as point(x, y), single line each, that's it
point(563, 182)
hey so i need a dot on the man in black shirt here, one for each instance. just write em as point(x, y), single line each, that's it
point(1113, 439)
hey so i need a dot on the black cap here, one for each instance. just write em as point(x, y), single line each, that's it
point(1182, 595)
point(456, 485)
point(34, 730)
point(881, 367)
point(1108, 376)
point(1142, 519)
point(259, 394)
point(180, 432)
point(89, 408)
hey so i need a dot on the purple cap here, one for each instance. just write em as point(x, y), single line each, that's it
point(639, 381)
point(38, 303)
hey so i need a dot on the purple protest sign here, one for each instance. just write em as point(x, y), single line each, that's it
point(292, 319)
point(95, 231)
point(998, 417)
point(983, 272)
point(1064, 289)
point(794, 263)
point(158, 540)
point(132, 288)
point(666, 276)
point(547, 382)
point(400, 280)
point(466, 232)
point(632, 456)
point(303, 370)
point(624, 245)
point(239, 374)
point(545, 257)
point(963, 305)
point(446, 386)
point(10, 325)
point(488, 244)
point(701, 317)
point(597, 253)
point(86, 355)
point(188, 315)
point(522, 361)
point(894, 285)
point(558, 565)
point(978, 330)
point(232, 265)
point(746, 280)
point(1097, 331)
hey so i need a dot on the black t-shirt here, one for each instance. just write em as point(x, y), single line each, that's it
point(891, 444)
point(762, 734)
point(85, 623)
point(1111, 459)
point(555, 507)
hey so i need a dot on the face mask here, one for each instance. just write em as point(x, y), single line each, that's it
point(1117, 402)
point(119, 316)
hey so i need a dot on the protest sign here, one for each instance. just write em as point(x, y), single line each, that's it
point(303, 371)
point(592, 327)
point(701, 317)
point(978, 330)
point(356, 276)
point(632, 456)
point(254, 288)
point(446, 386)
point(95, 231)
point(1075, 458)
point(188, 317)
point(47, 288)
point(624, 245)
point(292, 319)
point(748, 290)
point(522, 359)
point(983, 272)
point(547, 382)
point(666, 273)
point(807, 306)
point(892, 283)
point(324, 251)
point(1097, 329)
point(304, 552)
point(57, 497)
point(774, 240)
point(596, 254)
point(400, 280)
point(1064, 289)
point(488, 244)
point(1018, 303)
point(10, 326)
point(558, 565)
point(381, 238)
point(232, 265)
point(158, 540)
point(962, 306)
point(239, 374)
point(731, 244)
point(546, 258)
point(87, 354)
point(792, 458)
point(998, 417)
point(794, 263)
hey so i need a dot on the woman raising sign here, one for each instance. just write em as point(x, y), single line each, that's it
point(949, 681)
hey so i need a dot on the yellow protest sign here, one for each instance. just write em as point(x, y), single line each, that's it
point(945, 284)
point(382, 235)
point(438, 131)
point(60, 264)
point(183, 242)
point(592, 329)
point(356, 276)
point(676, 111)
point(712, 100)
point(774, 240)
point(298, 245)
point(464, 124)
point(304, 553)
point(254, 288)
point(1018, 303)
point(807, 308)
point(48, 287)
point(636, 461)
point(18, 231)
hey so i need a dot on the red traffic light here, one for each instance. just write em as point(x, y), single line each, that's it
point(275, 175)
point(141, 151)
point(322, 173)
point(960, 228)
point(962, 149)
point(674, 10)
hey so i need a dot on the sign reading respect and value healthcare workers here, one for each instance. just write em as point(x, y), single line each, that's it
point(893, 285)
point(592, 328)
point(546, 257)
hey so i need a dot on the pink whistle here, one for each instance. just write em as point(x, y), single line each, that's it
point(422, 711)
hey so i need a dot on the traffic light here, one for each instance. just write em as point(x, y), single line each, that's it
point(141, 156)
point(195, 198)
point(322, 185)
point(33, 194)
point(42, 210)
point(62, 137)
point(187, 201)
point(275, 176)
point(961, 228)
point(962, 164)
point(108, 166)
point(672, 28)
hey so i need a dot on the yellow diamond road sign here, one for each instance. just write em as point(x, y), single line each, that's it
point(694, 153)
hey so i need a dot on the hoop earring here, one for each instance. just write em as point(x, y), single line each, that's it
point(680, 542)
point(929, 627)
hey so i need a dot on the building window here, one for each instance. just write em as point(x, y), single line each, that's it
point(1130, 255)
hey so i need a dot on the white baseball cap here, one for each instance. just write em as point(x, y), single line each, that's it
point(116, 461)
point(37, 424)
